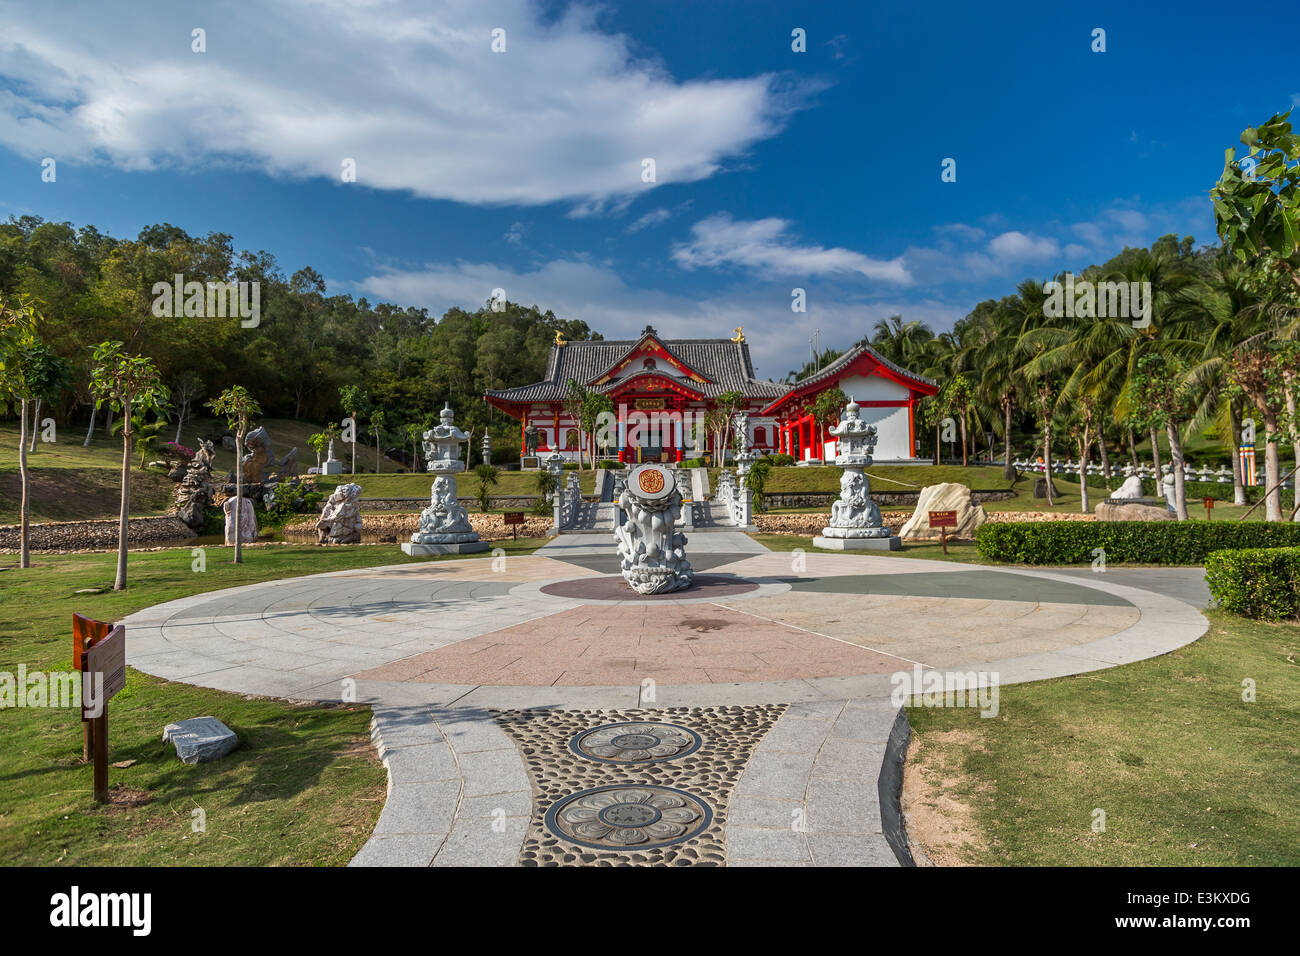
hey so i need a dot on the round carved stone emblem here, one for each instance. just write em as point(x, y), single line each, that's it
point(638, 742)
point(651, 481)
point(622, 817)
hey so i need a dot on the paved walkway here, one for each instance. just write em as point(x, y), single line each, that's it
point(530, 711)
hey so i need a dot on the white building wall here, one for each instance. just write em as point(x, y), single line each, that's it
point(873, 388)
point(892, 438)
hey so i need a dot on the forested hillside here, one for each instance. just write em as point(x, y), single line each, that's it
point(89, 288)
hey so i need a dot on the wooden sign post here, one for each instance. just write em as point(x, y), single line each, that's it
point(513, 520)
point(943, 520)
point(1209, 506)
point(86, 632)
point(103, 674)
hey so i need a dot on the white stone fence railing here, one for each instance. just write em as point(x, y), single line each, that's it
point(570, 501)
point(1222, 476)
point(735, 495)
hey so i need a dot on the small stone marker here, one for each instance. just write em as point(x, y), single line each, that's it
point(200, 739)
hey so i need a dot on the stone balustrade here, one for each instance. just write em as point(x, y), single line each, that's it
point(1191, 472)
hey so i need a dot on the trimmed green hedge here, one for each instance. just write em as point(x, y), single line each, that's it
point(1127, 542)
point(1258, 582)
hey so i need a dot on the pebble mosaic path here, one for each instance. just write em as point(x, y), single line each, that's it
point(756, 710)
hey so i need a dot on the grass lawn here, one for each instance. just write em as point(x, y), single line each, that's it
point(304, 787)
point(1187, 773)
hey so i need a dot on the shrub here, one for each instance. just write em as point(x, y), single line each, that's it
point(609, 463)
point(692, 463)
point(1136, 542)
point(1256, 582)
point(781, 460)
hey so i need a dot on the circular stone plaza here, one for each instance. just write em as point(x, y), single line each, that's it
point(534, 710)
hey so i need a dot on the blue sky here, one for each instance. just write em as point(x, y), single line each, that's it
point(522, 170)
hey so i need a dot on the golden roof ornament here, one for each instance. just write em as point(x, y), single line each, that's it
point(740, 334)
point(559, 339)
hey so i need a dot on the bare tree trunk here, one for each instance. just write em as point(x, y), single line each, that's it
point(1132, 449)
point(1008, 470)
point(1290, 415)
point(1155, 455)
point(239, 492)
point(123, 526)
point(1180, 465)
point(1272, 470)
point(1085, 449)
point(964, 459)
point(354, 443)
point(1238, 479)
point(90, 429)
point(180, 420)
point(36, 426)
point(1047, 463)
point(1105, 456)
point(24, 553)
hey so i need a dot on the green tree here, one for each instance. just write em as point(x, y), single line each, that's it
point(759, 472)
point(318, 441)
point(238, 408)
point(826, 410)
point(487, 476)
point(594, 407)
point(128, 384)
point(1257, 203)
point(575, 402)
point(377, 420)
point(724, 408)
point(19, 348)
point(145, 434)
point(414, 433)
point(355, 403)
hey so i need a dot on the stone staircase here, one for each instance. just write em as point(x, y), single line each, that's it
point(597, 516)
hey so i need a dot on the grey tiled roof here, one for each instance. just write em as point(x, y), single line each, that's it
point(725, 362)
point(848, 357)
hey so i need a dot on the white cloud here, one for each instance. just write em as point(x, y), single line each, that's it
point(764, 245)
point(595, 293)
point(409, 89)
point(653, 218)
point(515, 234)
point(1016, 246)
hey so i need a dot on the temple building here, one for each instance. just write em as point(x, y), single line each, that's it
point(887, 394)
point(662, 389)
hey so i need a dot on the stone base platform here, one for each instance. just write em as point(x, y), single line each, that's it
point(460, 547)
point(892, 543)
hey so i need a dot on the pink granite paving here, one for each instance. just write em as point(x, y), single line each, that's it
point(625, 644)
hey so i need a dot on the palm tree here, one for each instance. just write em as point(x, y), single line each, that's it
point(1228, 316)
point(900, 341)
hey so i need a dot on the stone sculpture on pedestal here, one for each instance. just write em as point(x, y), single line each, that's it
point(855, 518)
point(444, 525)
point(340, 519)
point(1128, 503)
point(653, 551)
point(442, 444)
point(332, 465)
point(247, 520)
